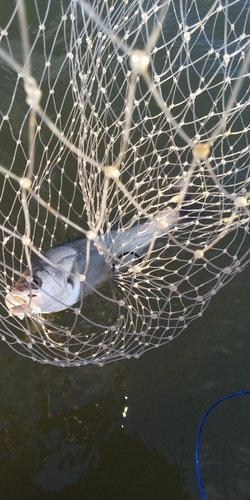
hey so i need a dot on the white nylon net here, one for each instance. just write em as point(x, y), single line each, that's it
point(127, 122)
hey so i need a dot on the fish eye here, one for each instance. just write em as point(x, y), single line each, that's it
point(36, 282)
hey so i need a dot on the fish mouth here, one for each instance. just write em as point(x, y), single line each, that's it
point(20, 305)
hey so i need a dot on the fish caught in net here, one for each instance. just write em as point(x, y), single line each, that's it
point(124, 141)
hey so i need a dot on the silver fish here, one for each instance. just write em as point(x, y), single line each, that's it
point(60, 284)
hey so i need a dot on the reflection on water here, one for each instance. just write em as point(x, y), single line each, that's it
point(63, 431)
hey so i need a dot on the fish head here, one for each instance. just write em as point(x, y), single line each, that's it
point(25, 297)
point(45, 289)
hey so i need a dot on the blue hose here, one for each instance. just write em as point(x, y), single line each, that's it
point(197, 450)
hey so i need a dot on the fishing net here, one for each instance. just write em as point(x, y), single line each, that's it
point(120, 119)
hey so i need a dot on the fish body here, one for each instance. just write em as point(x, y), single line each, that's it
point(69, 272)
point(56, 286)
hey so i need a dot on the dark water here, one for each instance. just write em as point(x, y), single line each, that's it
point(128, 430)
point(63, 433)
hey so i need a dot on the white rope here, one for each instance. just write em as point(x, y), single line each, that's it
point(126, 123)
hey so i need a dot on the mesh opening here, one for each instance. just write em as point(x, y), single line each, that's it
point(124, 142)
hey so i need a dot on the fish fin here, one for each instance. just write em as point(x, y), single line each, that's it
point(73, 274)
point(70, 280)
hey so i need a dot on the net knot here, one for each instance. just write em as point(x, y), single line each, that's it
point(111, 171)
point(201, 151)
point(26, 240)
point(139, 61)
point(240, 201)
point(198, 254)
point(91, 235)
point(25, 183)
point(33, 92)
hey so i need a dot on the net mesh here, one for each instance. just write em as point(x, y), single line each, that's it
point(125, 123)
